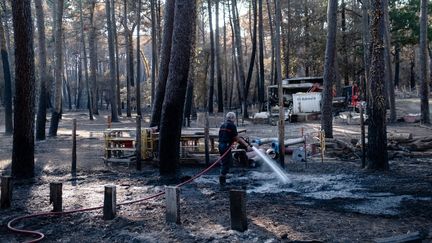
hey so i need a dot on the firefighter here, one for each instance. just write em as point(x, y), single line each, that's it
point(227, 136)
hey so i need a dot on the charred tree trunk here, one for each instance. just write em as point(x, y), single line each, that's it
point(164, 63)
point(86, 75)
point(114, 25)
point(153, 9)
point(8, 83)
point(23, 138)
point(366, 45)
point(239, 54)
point(261, 54)
point(112, 71)
point(388, 67)
point(424, 79)
point(377, 135)
point(252, 60)
point(138, 75)
point(281, 122)
point(212, 62)
point(272, 73)
point(172, 112)
point(329, 70)
point(58, 50)
point(218, 62)
point(397, 64)
point(93, 60)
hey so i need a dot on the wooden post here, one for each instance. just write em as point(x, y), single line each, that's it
point(238, 210)
point(109, 121)
point(138, 143)
point(172, 202)
point(6, 191)
point(206, 138)
point(74, 155)
point(56, 196)
point(109, 208)
point(363, 139)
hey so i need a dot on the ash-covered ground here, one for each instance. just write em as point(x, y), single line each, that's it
point(330, 201)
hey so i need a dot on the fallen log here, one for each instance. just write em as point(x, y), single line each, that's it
point(399, 136)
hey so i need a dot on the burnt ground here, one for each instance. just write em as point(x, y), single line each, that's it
point(333, 201)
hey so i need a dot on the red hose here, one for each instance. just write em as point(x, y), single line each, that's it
point(41, 235)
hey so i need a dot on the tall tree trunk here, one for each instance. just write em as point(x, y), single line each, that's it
point(8, 82)
point(424, 79)
point(86, 75)
point(164, 63)
point(286, 42)
point(114, 25)
point(239, 55)
point(377, 134)
point(112, 93)
point(93, 60)
point(261, 54)
point(307, 38)
point(154, 47)
point(58, 50)
point(172, 112)
point(23, 138)
point(329, 70)
point(252, 60)
point(225, 63)
point(366, 45)
point(281, 123)
point(344, 47)
point(272, 73)
point(388, 66)
point(138, 76)
point(397, 64)
point(218, 62)
point(129, 59)
point(212, 61)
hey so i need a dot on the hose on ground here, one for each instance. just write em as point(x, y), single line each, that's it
point(45, 214)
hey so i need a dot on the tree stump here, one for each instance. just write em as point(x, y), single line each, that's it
point(238, 210)
point(109, 208)
point(172, 201)
point(56, 196)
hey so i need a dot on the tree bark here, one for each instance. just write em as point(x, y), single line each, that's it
point(366, 45)
point(388, 67)
point(377, 135)
point(8, 83)
point(172, 112)
point(58, 72)
point(114, 25)
point(129, 59)
point(218, 62)
point(253, 54)
point(239, 55)
point(329, 70)
point(424, 79)
point(112, 71)
point(281, 123)
point(261, 54)
point(212, 62)
point(93, 60)
point(164, 62)
point(138, 75)
point(154, 47)
point(23, 138)
point(272, 73)
point(86, 76)
point(397, 64)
